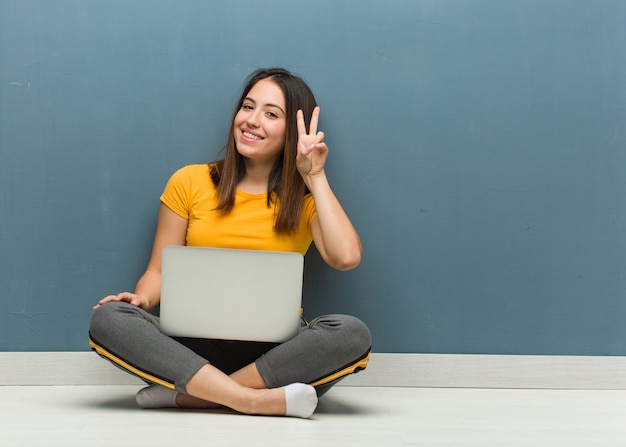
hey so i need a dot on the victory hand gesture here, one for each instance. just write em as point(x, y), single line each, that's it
point(312, 150)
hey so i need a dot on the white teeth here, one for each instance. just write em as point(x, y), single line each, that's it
point(249, 135)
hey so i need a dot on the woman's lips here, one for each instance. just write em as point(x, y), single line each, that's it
point(250, 135)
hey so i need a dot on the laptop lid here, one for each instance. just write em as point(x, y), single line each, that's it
point(231, 294)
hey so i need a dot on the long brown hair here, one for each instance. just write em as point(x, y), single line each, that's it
point(285, 181)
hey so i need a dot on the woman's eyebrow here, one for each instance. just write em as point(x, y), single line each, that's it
point(266, 105)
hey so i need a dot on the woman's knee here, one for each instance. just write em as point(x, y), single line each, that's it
point(358, 331)
point(351, 331)
point(107, 318)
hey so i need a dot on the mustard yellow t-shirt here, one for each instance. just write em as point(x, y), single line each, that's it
point(190, 193)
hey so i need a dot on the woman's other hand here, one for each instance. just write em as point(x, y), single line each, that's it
point(126, 297)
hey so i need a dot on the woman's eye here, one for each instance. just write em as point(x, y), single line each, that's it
point(272, 115)
point(246, 107)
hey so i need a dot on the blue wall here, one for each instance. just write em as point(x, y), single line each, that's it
point(480, 148)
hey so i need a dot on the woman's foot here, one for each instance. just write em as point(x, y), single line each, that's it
point(156, 396)
point(295, 400)
point(300, 399)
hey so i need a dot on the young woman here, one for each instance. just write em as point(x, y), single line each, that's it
point(269, 192)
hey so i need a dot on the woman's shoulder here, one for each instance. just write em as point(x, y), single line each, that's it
point(194, 169)
point(192, 176)
point(192, 172)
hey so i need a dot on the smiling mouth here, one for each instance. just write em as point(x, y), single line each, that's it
point(251, 136)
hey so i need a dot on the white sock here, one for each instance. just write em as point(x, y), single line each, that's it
point(156, 396)
point(301, 400)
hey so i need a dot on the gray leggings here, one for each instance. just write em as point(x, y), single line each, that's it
point(326, 350)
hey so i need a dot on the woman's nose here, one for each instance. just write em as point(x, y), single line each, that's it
point(254, 118)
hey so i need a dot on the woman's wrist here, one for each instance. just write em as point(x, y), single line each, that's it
point(315, 181)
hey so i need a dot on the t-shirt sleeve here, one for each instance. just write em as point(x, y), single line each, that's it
point(309, 211)
point(177, 193)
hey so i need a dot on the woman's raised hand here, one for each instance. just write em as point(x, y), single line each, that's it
point(312, 151)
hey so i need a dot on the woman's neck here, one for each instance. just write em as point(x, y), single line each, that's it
point(256, 179)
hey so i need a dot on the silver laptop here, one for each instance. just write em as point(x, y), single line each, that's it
point(231, 294)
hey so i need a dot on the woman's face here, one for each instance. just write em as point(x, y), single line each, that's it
point(261, 123)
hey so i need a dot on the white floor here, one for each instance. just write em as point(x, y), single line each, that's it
point(347, 416)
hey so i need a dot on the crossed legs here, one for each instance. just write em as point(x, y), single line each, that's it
point(131, 338)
